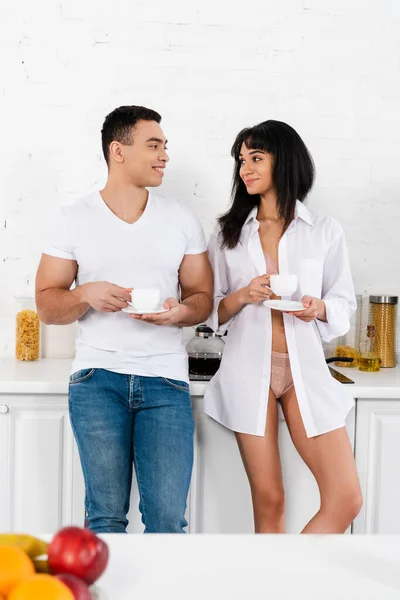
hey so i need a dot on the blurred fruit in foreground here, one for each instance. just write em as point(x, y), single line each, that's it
point(33, 546)
point(41, 587)
point(41, 565)
point(78, 587)
point(79, 552)
point(15, 566)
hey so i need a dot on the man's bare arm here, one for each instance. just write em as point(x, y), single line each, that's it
point(57, 304)
point(196, 281)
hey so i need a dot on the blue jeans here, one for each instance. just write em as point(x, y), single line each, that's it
point(123, 420)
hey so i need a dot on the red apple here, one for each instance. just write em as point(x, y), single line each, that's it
point(78, 587)
point(78, 552)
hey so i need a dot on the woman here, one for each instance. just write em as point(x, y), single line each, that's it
point(271, 356)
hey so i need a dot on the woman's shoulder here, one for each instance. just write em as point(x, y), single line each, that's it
point(215, 241)
point(326, 224)
point(217, 238)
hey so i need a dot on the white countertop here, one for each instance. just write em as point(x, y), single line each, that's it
point(308, 567)
point(383, 384)
point(50, 376)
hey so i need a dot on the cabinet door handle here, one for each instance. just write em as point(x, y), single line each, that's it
point(4, 409)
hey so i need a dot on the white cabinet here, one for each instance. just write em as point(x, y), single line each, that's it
point(41, 484)
point(223, 500)
point(222, 503)
point(377, 458)
point(42, 489)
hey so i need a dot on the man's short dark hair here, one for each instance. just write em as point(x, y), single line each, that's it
point(119, 124)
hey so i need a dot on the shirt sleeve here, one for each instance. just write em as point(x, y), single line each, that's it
point(337, 290)
point(196, 241)
point(221, 285)
point(60, 242)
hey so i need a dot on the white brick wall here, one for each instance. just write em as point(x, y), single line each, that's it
point(331, 69)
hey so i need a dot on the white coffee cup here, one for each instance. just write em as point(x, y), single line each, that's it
point(146, 298)
point(283, 285)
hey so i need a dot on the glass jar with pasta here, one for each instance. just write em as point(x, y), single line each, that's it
point(27, 332)
point(382, 314)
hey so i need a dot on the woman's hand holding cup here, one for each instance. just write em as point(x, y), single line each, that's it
point(258, 290)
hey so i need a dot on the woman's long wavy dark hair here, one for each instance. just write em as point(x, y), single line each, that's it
point(293, 176)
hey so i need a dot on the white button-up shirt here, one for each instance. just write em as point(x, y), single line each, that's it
point(314, 248)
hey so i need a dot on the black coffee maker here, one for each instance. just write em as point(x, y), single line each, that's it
point(205, 351)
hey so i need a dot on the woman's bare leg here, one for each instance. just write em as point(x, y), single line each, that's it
point(261, 460)
point(330, 458)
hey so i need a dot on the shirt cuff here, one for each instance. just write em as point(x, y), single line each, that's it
point(58, 253)
point(196, 250)
point(212, 320)
point(337, 320)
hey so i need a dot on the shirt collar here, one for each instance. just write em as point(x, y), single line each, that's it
point(303, 213)
point(252, 215)
point(300, 212)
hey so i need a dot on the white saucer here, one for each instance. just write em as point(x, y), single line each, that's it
point(284, 305)
point(132, 311)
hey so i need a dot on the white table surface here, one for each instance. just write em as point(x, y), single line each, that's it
point(271, 567)
point(50, 376)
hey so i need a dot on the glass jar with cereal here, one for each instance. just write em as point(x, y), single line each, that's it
point(27, 333)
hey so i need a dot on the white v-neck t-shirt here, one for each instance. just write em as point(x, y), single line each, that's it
point(144, 254)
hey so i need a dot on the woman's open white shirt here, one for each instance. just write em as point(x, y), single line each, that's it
point(314, 248)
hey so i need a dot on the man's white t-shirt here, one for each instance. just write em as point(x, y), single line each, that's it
point(144, 254)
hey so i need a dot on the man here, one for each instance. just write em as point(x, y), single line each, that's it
point(129, 396)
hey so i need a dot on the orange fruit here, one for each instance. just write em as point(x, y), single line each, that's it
point(41, 587)
point(15, 566)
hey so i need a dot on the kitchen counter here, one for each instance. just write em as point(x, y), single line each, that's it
point(50, 376)
point(37, 444)
point(383, 384)
point(249, 566)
